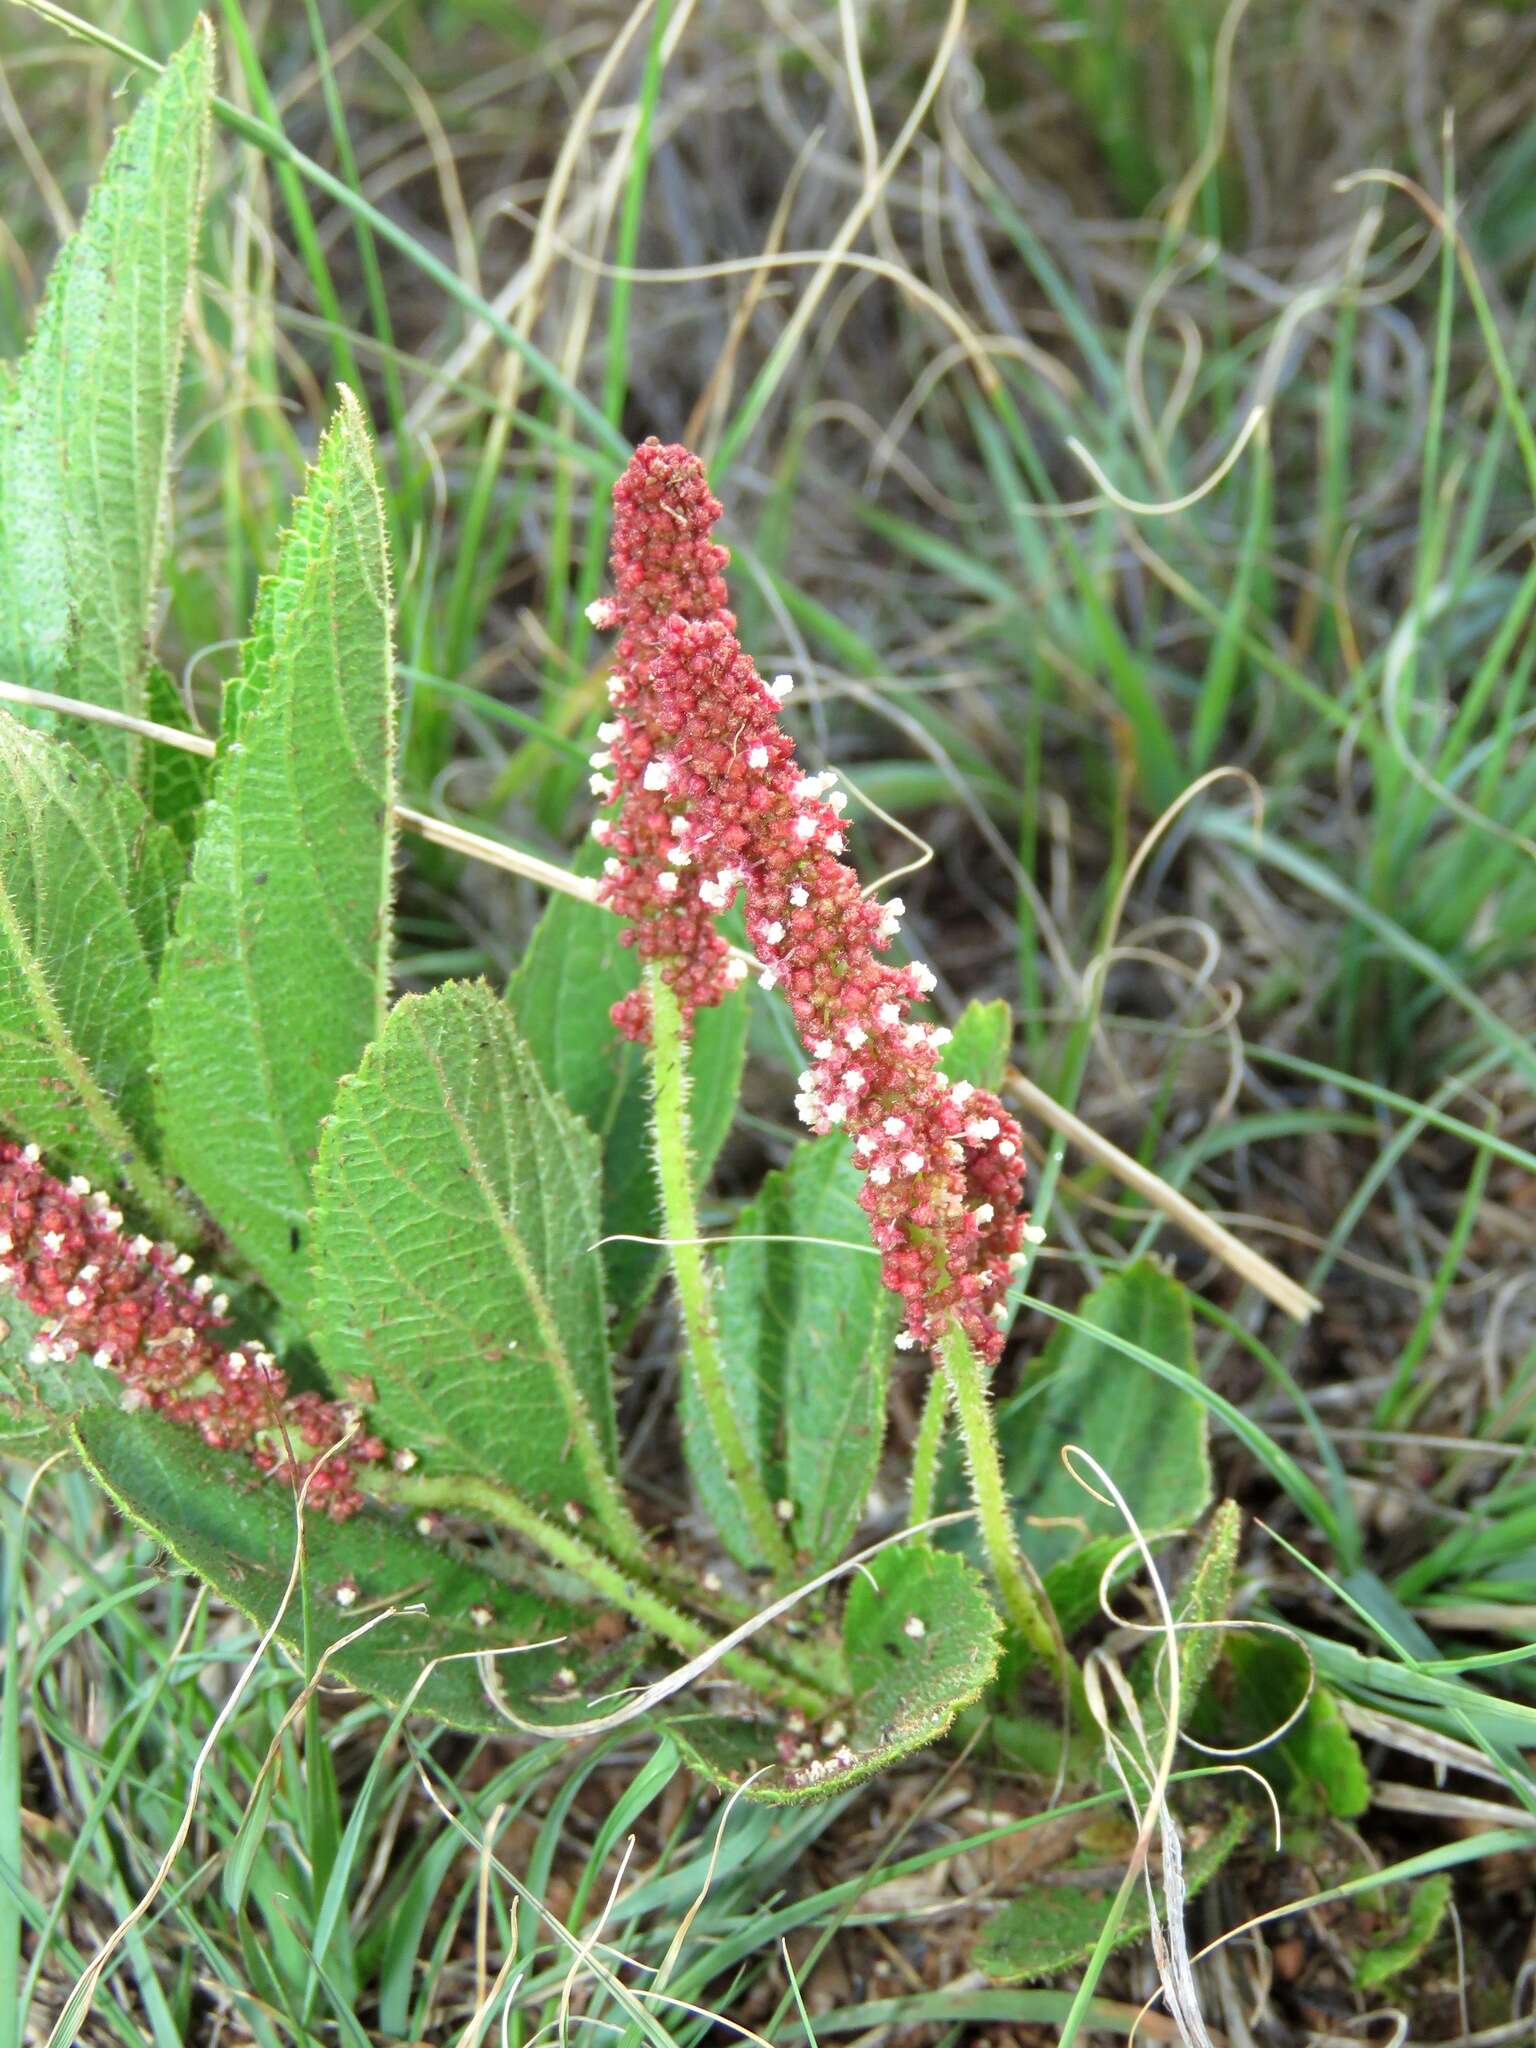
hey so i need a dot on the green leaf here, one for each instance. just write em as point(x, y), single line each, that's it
point(86, 435)
point(571, 974)
point(38, 1395)
point(278, 975)
point(1204, 1598)
point(1152, 1441)
point(1049, 1927)
point(921, 1643)
point(979, 1050)
point(1428, 1903)
point(175, 783)
point(217, 1516)
point(1316, 1767)
point(805, 1335)
point(456, 1210)
point(87, 880)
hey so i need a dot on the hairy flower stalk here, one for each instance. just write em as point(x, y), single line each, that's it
point(134, 1309)
point(713, 804)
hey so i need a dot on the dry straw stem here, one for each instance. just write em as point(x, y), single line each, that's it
point(1248, 1264)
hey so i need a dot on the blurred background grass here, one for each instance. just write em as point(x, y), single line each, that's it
point(897, 270)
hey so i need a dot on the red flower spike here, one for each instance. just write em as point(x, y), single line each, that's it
point(665, 566)
point(129, 1307)
point(943, 1164)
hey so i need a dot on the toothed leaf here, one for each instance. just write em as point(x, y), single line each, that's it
point(85, 434)
point(456, 1210)
point(278, 974)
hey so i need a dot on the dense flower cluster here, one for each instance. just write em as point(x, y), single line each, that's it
point(942, 1162)
point(135, 1309)
point(665, 566)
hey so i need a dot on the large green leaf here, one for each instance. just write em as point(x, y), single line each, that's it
point(87, 880)
point(1150, 1438)
point(85, 435)
point(805, 1337)
point(1048, 1927)
point(921, 1639)
point(278, 974)
point(573, 970)
point(38, 1395)
point(234, 1529)
point(456, 1211)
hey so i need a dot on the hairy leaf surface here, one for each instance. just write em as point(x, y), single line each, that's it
point(805, 1333)
point(1148, 1436)
point(457, 1207)
point(85, 433)
point(87, 880)
point(573, 971)
point(39, 1396)
point(236, 1530)
point(921, 1639)
point(278, 974)
point(1048, 1927)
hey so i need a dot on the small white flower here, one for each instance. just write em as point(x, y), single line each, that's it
point(346, 1593)
point(880, 1175)
point(769, 978)
point(866, 1146)
point(940, 1035)
point(601, 787)
point(855, 1035)
point(773, 933)
point(735, 970)
point(53, 1240)
point(203, 1284)
point(78, 1184)
point(925, 977)
point(75, 1296)
point(612, 867)
point(805, 826)
point(981, 1129)
point(799, 897)
point(854, 1080)
point(601, 759)
point(915, 1627)
point(984, 1212)
point(781, 686)
point(482, 1617)
point(834, 842)
point(838, 801)
point(1006, 1148)
point(888, 1014)
point(32, 1154)
point(823, 1049)
point(905, 1341)
point(679, 827)
point(785, 1510)
point(1033, 1234)
point(679, 856)
point(405, 1461)
point(806, 789)
point(757, 757)
point(666, 883)
point(912, 1162)
point(602, 830)
point(140, 1247)
point(102, 1358)
point(602, 613)
point(894, 1127)
point(658, 775)
point(5, 1242)
point(835, 1112)
point(962, 1093)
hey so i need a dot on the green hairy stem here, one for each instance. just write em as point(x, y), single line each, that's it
point(1024, 1605)
point(674, 1170)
